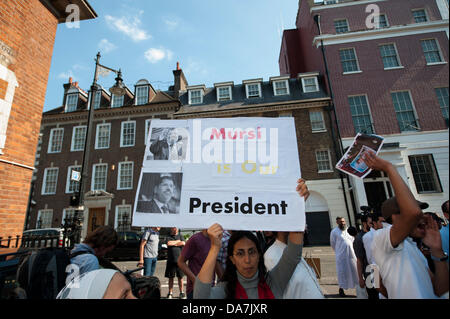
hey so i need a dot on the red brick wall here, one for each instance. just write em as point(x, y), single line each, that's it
point(28, 28)
point(377, 83)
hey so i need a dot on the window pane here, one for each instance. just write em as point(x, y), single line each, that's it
point(72, 101)
point(442, 95)
point(253, 90)
point(316, 118)
point(424, 172)
point(431, 51)
point(128, 132)
point(323, 161)
point(117, 101)
point(348, 60)
point(103, 136)
point(360, 114)
point(50, 181)
point(310, 85)
point(100, 173)
point(142, 95)
point(126, 175)
point(56, 140)
point(280, 88)
point(45, 219)
point(97, 99)
point(74, 186)
point(341, 26)
point(419, 16)
point(196, 97)
point(382, 22)
point(123, 218)
point(79, 137)
point(405, 113)
point(389, 56)
point(224, 93)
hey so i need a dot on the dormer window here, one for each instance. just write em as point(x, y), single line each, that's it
point(280, 85)
point(223, 91)
point(97, 99)
point(253, 88)
point(117, 101)
point(72, 102)
point(195, 94)
point(309, 82)
point(142, 92)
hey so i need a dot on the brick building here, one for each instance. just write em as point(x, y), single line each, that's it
point(120, 132)
point(27, 35)
point(388, 77)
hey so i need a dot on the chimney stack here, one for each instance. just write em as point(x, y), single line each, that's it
point(180, 83)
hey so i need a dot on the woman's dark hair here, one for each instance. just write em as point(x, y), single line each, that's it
point(230, 274)
point(104, 236)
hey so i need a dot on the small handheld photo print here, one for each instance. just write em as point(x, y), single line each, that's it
point(352, 162)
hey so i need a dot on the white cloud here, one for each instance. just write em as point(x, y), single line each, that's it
point(171, 24)
point(66, 75)
point(105, 46)
point(129, 26)
point(154, 55)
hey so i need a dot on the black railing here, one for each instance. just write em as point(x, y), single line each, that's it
point(37, 241)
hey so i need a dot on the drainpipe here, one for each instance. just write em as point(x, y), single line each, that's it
point(331, 108)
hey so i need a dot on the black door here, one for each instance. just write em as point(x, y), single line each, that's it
point(318, 228)
point(375, 194)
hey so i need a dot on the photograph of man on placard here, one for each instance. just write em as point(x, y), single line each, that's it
point(168, 143)
point(160, 193)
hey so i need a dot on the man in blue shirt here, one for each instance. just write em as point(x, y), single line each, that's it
point(444, 229)
point(97, 244)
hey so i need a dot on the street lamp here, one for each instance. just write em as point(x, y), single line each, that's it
point(119, 90)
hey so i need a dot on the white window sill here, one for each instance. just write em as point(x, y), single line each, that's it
point(325, 172)
point(124, 189)
point(394, 68)
point(310, 91)
point(352, 72)
point(101, 148)
point(319, 131)
point(437, 63)
point(127, 145)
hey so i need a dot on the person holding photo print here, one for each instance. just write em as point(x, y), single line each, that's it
point(245, 275)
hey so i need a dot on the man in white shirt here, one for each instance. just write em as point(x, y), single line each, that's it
point(403, 268)
point(342, 243)
point(377, 223)
point(303, 283)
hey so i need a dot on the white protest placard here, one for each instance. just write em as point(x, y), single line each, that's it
point(238, 172)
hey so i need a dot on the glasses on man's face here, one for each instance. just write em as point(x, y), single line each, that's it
point(252, 252)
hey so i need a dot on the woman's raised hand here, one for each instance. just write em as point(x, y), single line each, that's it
point(215, 233)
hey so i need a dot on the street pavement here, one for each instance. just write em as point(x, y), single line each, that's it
point(328, 280)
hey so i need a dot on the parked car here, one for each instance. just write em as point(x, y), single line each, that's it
point(128, 247)
point(44, 237)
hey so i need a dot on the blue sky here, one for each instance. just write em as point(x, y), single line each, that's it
point(214, 41)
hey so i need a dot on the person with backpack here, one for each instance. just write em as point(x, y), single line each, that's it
point(96, 245)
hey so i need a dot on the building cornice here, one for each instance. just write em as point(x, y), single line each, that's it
point(343, 4)
point(285, 106)
point(381, 33)
point(111, 113)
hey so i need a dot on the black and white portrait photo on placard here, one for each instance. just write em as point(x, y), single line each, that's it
point(159, 193)
point(168, 143)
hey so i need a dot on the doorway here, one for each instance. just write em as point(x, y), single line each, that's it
point(378, 189)
point(96, 218)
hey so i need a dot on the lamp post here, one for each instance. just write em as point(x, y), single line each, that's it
point(119, 90)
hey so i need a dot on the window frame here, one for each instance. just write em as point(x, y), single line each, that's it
point(97, 99)
point(69, 180)
point(122, 124)
point(338, 20)
point(190, 92)
point(258, 84)
point(372, 126)
point(425, 13)
point(94, 168)
point(72, 144)
point(148, 123)
point(44, 181)
point(97, 131)
point(386, 19)
point(116, 217)
point(230, 94)
point(119, 175)
point(316, 82)
point(399, 66)
point(329, 161)
point(435, 174)
point(439, 50)
point(356, 59)
point(50, 140)
point(68, 96)
point(446, 119)
point(50, 212)
point(324, 129)
point(286, 83)
point(114, 97)
point(147, 90)
point(413, 110)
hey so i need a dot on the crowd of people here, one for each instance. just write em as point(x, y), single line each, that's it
point(400, 253)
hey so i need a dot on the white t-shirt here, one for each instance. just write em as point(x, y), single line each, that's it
point(367, 241)
point(404, 269)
